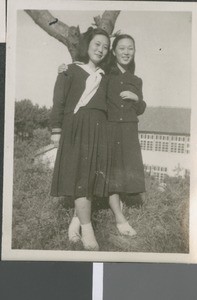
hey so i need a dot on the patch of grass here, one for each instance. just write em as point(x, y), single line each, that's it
point(162, 222)
point(41, 222)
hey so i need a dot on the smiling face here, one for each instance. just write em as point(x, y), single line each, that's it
point(98, 48)
point(124, 51)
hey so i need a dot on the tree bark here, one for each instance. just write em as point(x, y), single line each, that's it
point(107, 21)
point(70, 35)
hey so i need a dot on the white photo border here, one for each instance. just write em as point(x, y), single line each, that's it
point(50, 255)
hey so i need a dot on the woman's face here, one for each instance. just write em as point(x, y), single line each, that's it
point(124, 51)
point(98, 48)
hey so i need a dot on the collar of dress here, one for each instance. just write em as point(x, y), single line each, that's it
point(91, 85)
point(87, 68)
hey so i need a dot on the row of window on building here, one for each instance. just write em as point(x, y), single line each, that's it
point(158, 172)
point(164, 143)
point(164, 137)
point(161, 172)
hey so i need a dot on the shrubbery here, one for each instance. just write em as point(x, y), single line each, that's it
point(28, 117)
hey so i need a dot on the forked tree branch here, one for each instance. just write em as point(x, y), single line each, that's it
point(70, 35)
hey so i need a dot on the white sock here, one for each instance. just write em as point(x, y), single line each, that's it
point(126, 229)
point(121, 205)
point(73, 230)
point(88, 237)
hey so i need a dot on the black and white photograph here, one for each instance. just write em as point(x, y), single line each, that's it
point(100, 132)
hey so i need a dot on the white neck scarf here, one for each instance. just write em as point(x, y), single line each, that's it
point(92, 84)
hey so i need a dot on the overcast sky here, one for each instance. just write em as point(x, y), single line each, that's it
point(163, 55)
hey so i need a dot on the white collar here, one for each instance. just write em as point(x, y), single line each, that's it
point(87, 68)
point(121, 68)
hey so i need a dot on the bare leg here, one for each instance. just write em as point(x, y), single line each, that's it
point(114, 203)
point(83, 211)
point(121, 222)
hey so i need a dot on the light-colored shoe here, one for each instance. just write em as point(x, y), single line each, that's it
point(88, 238)
point(126, 229)
point(74, 230)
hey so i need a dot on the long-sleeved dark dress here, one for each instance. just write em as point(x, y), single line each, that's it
point(81, 164)
point(126, 170)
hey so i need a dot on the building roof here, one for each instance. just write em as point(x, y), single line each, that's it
point(171, 120)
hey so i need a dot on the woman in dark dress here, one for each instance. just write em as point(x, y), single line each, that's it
point(79, 129)
point(124, 103)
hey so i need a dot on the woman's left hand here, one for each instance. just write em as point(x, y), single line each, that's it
point(128, 95)
point(62, 68)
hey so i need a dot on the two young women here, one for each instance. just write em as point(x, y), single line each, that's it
point(94, 123)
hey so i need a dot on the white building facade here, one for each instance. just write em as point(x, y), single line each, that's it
point(164, 135)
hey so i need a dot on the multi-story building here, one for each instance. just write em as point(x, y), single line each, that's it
point(164, 134)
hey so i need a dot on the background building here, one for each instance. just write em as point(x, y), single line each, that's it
point(164, 134)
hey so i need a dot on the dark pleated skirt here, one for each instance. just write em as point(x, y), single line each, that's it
point(81, 163)
point(126, 170)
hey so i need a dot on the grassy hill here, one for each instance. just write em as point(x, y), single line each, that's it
point(41, 222)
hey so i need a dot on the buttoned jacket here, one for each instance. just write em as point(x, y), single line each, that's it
point(126, 110)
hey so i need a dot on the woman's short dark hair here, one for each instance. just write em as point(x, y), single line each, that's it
point(84, 45)
point(131, 66)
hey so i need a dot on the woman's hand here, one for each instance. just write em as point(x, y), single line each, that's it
point(128, 95)
point(55, 138)
point(62, 68)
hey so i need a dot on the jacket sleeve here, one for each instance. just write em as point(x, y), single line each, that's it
point(141, 104)
point(61, 89)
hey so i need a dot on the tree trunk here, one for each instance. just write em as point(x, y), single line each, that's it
point(70, 36)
